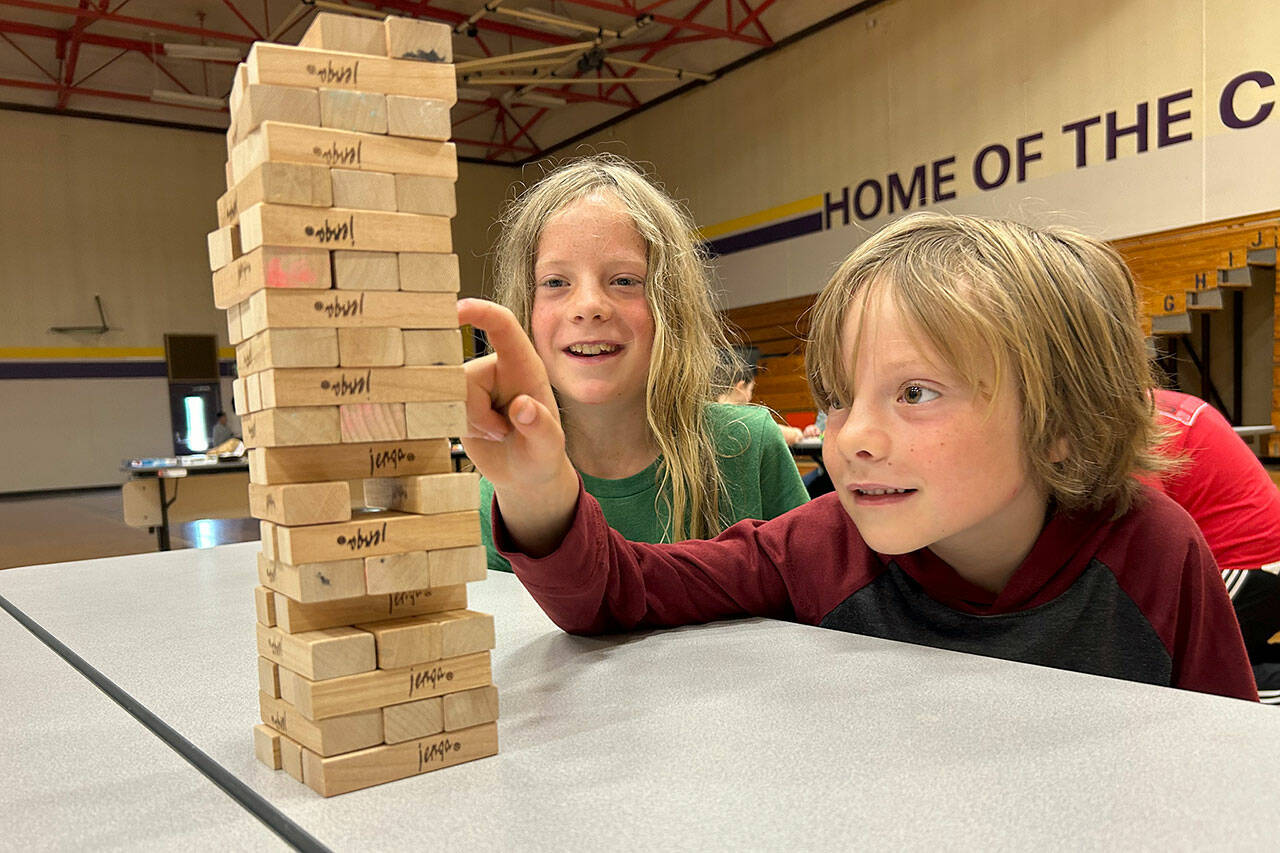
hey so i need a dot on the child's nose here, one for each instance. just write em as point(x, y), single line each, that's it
point(588, 301)
point(862, 436)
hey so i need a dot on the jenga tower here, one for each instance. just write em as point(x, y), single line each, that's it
point(333, 260)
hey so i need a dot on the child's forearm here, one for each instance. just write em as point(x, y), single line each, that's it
point(537, 517)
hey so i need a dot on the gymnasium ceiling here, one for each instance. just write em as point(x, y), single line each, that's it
point(116, 58)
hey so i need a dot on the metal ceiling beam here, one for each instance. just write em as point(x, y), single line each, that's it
point(25, 29)
point(754, 18)
point(129, 20)
point(81, 90)
point(449, 16)
point(683, 23)
point(72, 55)
point(235, 11)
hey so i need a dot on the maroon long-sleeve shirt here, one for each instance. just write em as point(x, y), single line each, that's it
point(1138, 598)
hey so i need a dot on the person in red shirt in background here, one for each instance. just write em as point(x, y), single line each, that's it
point(1223, 486)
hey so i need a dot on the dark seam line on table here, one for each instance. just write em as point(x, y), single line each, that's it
point(250, 800)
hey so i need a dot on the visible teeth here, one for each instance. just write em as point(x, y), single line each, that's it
point(883, 491)
point(592, 349)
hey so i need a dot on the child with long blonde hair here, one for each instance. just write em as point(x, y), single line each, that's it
point(606, 275)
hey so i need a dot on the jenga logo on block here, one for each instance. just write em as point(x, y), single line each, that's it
point(329, 233)
point(364, 540)
point(347, 386)
point(339, 307)
point(428, 678)
point(340, 155)
point(437, 751)
point(382, 459)
point(330, 74)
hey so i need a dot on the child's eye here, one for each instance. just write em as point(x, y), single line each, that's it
point(915, 394)
point(555, 282)
point(628, 281)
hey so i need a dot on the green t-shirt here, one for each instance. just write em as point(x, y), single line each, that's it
point(760, 477)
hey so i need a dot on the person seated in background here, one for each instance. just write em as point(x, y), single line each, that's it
point(1222, 485)
point(603, 271)
point(736, 383)
point(221, 432)
point(986, 385)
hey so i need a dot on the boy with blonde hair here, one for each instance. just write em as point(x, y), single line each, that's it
point(987, 385)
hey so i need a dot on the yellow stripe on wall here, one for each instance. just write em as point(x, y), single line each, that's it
point(94, 353)
point(782, 211)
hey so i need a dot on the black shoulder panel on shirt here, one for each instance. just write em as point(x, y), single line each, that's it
point(1093, 627)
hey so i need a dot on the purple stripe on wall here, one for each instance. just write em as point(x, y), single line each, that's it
point(807, 224)
point(115, 369)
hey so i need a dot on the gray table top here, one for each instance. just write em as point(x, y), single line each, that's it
point(78, 770)
point(751, 733)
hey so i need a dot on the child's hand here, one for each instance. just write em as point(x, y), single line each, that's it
point(514, 435)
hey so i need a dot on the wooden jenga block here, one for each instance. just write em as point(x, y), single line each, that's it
point(405, 642)
point(325, 737)
point(291, 757)
point(415, 39)
point(365, 270)
point(262, 102)
point(432, 420)
point(427, 195)
point(432, 273)
point(265, 606)
point(311, 582)
point(372, 421)
point(240, 399)
point(451, 566)
point(229, 170)
point(319, 655)
point(345, 33)
point(299, 66)
point(361, 112)
point(320, 700)
point(269, 676)
point(309, 464)
point(468, 708)
point(239, 84)
point(224, 246)
point(420, 118)
point(285, 427)
point(301, 184)
point(267, 535)
point(296, 616)
point(342, 228)
point(431, 346)
point(310, 309)
point(301, 503)
point(367, 767)
point(266, 746)
point(375, 533)
point(343, 149)
point(410, 720)
point(277, 347)
point(235, 326)
point(396, 572)
point(270, 266)
point(253, 387)
point(425, 495)
point(371, 347)
point(308, 386)
point(357, 190)
point(464, 632)
point(227, 211)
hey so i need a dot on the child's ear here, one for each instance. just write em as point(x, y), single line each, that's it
point(1059, 450)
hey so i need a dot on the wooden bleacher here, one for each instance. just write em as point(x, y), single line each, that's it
point(1179, 273)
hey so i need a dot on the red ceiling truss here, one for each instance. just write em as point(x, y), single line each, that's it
point(635, 52)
